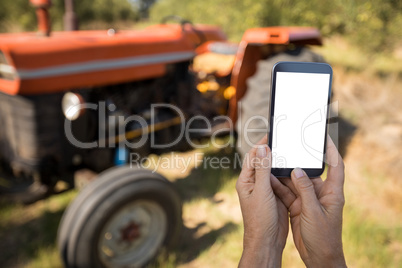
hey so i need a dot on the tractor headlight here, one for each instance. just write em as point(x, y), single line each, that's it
point(6, 71)
point(72, 105)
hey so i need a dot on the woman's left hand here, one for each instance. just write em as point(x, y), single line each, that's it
point(265, 217)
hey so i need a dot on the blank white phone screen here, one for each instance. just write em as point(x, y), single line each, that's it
point(299, 119)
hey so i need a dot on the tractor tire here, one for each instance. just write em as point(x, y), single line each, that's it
point(122, 219)
point(255, 101)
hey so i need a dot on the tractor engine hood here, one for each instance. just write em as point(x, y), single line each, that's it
point(31, 64)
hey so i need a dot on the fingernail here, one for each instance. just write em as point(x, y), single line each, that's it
point(261, 152)
point(298, 172)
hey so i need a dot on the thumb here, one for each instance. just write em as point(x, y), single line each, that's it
point(262, 167)
point(305, 189)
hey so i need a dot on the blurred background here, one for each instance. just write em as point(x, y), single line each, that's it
point(363, 43)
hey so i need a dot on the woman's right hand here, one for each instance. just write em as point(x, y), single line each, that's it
point(316, 208)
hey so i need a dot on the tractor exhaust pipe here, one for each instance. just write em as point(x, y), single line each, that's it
point(42, 13)
point(70, 19)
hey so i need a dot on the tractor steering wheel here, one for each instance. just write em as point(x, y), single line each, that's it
point(183, 22)
point(177, 19)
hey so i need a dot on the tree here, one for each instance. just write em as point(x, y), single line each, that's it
point(20, 14)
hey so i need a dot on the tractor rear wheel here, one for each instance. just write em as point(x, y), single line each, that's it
point(122, 219)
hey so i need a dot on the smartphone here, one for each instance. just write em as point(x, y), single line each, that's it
point(300, 97)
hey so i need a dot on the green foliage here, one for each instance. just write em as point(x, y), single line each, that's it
point(373, 24)
point(22, 14)
point(17, 11)
point(234, 16)
point(143, 7)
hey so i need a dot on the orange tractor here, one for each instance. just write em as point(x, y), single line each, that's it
point(76, 100)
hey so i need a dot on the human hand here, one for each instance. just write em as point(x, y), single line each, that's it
point(265, 217)
point(315, 208)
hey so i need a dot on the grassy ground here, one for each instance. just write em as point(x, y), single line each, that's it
point(339, 52)
point(27, 233)
point(370, 99)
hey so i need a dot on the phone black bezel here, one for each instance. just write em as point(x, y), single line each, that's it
point(298, 67)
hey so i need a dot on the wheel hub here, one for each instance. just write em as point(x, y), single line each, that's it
point(130, 232)
point(133, 234)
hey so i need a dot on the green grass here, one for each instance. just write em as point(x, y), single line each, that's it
point(28, 233)
point(368, 243)
point(46, 257)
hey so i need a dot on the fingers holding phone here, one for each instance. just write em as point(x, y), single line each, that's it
point(316, 208)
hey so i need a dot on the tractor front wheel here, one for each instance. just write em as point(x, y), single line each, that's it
point(122, 219)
